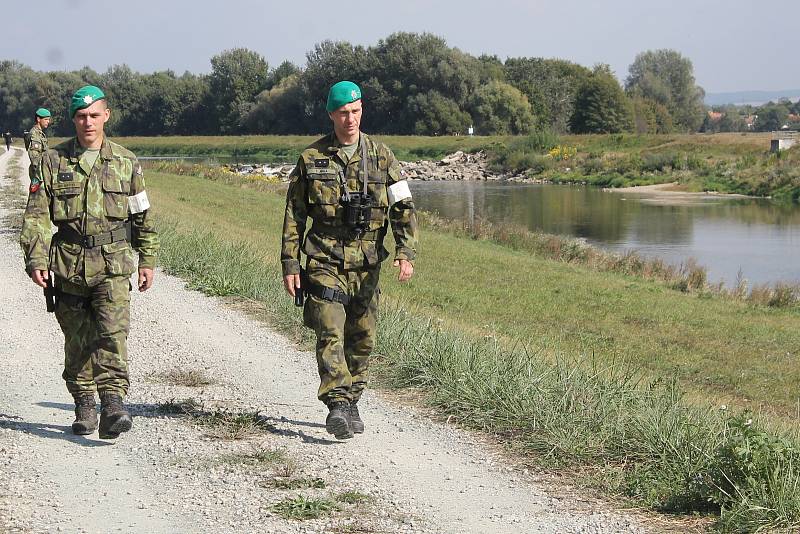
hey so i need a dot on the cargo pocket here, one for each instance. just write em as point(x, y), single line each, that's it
point(66, 200)
point(65, 261)
point(323, 191)
point(115, 197)
point(119, 258)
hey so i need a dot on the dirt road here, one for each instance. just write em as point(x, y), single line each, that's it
point(179, 470)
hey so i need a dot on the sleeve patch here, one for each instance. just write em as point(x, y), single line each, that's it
point(399, 191)
point(138, 203)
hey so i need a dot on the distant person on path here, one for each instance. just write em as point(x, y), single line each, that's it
point(93, 191)
point(36, 141)
point(9, 139)
point(352, 189)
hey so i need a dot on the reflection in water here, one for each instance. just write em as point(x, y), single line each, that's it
point(756, 236)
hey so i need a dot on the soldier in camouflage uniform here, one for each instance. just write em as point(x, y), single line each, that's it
point(351, 188)
point(36, 141)
point(93, 191)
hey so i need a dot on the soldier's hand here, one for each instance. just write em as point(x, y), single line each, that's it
point(406, 270)
point(290, 282)
point(145, 278)
point(40, 277)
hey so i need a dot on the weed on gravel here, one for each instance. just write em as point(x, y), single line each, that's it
point(258, 456)
point(178, 407)
point(353, 497)
point(303, 508)
point(231, 426)
point(283, 483)
point(186, 377)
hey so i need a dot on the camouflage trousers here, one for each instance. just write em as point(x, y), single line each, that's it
point(345, 334)
point(95, 321)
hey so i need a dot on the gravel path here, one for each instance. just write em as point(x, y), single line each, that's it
point(177, 472)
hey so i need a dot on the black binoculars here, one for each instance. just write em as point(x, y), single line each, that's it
point(357, 210)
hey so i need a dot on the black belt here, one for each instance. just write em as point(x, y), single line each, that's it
point(340, 232)
point(326, 293)
point(68, 235)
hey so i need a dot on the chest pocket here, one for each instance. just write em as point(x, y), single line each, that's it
point(67, 199)
point(323, 190)
point(115, 196)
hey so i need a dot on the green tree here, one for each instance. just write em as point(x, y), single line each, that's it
point(501, 109)
point(666, 77)
point(601, 105)
point(650, 116)
point(276, 110)
point(237, 76)
point(436, 114)
point(283, 71)
point(408, 64)
point(550, 86)
point(771, 117)
point(17, 93)
point(127, 97)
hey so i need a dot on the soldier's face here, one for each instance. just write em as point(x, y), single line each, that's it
point(347, 121)
point(43, 122)
point(90, 122)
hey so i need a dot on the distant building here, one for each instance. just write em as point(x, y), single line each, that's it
point(715, 116)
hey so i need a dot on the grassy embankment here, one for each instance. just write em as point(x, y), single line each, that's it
point(729, 163)
point(574, 367)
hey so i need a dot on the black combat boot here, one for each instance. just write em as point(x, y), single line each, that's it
point(85, 415)
point(338, 421)
point(114, 418)
point(356, 424)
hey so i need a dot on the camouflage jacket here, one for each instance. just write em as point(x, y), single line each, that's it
point(87, 202)
point(36, 144)
point(316, 186)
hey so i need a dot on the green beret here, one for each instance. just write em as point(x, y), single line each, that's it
point(341, 94)
point(85, 97)
point(43, 113)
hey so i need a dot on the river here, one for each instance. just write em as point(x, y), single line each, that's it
point(755, 237)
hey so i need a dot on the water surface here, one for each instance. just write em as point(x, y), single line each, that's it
point(727, 235)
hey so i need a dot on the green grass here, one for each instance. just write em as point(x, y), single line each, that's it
point(575, 367)
point(303, 508)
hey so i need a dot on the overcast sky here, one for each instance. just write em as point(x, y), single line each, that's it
point(733, 44)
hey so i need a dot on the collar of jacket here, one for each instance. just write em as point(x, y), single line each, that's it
point(105, 150)
point(334, 147)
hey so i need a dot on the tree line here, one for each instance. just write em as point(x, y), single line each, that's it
point(412, 84)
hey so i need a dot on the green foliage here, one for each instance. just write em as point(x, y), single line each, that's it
point(437, 114)
point(601, 106)
point(237, 76)
point(550, 86)
point(666, 77)
point(501, 109)
point(303, 508)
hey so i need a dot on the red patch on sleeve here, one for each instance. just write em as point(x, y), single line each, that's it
point(35, 187)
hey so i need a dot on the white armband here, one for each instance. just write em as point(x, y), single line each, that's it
point(138, 203)
point(398, 191)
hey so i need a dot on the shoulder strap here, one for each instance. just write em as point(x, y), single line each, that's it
point(364, 166)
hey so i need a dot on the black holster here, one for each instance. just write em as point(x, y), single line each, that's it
point(298, 291)
point(50, 294)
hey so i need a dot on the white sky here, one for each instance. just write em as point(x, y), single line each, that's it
point(734, 44)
